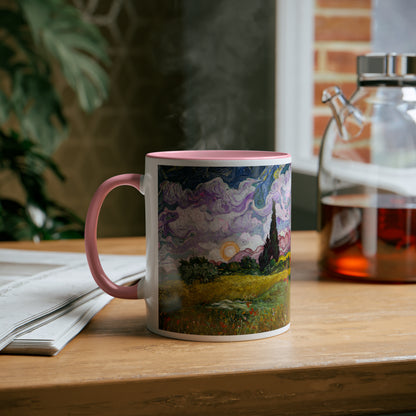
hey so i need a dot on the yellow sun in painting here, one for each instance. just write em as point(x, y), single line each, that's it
point(229, 249)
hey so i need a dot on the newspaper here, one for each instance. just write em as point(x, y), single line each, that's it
point(46, 298)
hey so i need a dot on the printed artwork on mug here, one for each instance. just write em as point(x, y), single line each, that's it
point(224, 249)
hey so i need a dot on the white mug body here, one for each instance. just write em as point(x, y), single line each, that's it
point(214, 214)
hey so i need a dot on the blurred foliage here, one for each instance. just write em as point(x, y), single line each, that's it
point(38, 37)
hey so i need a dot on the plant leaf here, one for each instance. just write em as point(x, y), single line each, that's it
point(14, 222)
point(77, 45)
point(89, 81)
point(4, 107)
point(39, 110)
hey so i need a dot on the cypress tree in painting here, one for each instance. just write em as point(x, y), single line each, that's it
point(271, 246)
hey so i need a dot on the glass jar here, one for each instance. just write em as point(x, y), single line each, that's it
point(367, 174)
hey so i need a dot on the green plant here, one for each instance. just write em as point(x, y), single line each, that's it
point(37, 39)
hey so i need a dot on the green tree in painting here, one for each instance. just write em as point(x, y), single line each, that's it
point(271, 246)
point(197, 269)
point(249, 265)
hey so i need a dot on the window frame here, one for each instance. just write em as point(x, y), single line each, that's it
point(294, 83)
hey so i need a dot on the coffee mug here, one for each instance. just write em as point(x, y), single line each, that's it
point(218, 226)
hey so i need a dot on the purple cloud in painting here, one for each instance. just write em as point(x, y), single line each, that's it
point(201, 210)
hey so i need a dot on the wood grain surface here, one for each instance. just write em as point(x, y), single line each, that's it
point(351, 350)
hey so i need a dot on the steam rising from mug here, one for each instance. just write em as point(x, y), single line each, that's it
point(227, 63)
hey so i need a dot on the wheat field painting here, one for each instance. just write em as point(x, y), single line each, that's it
point(224, 249)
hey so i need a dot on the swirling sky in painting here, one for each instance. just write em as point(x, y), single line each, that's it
point(206, 211)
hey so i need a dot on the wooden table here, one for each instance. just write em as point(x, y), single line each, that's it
point(351, 349)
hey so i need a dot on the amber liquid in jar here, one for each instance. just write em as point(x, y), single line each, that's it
point(369, 238)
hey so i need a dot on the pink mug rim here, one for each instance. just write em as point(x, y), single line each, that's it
point(218, 155)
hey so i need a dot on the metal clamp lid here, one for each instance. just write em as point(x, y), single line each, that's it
point(386, 66)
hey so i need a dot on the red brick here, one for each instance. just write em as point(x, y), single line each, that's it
point(357, 148)
point(365, 134)
point(362, 139)
point(343, 28)
point(358, 153)
point(342, 62)
point(319, 125)
point(344, 4)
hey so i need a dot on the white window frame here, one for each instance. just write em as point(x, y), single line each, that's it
point(294, 83)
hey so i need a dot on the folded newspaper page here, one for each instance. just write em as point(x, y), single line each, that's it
point(46, 298)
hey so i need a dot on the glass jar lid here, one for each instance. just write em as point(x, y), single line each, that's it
point(386, 68)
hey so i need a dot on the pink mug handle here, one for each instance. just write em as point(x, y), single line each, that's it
point(91, 222)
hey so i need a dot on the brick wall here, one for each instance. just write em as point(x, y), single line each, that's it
point(342, 32)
